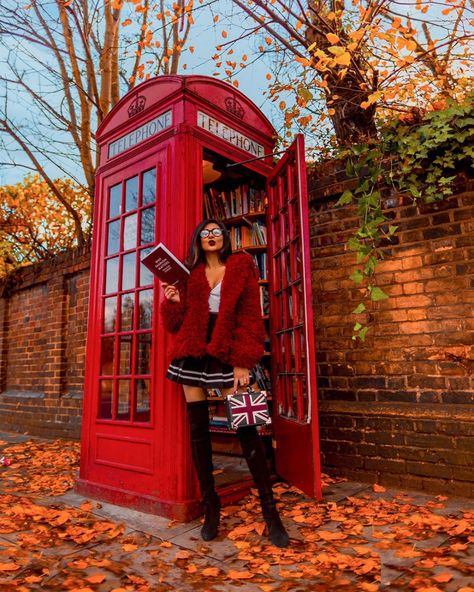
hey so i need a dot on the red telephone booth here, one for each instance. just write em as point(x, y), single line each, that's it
point(172, 151)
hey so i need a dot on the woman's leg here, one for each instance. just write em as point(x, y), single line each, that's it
point(198, 413)
point(254, 453)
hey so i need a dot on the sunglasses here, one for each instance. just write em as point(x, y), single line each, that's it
point(214, 232)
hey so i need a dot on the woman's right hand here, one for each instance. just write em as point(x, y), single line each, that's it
point(171, 292)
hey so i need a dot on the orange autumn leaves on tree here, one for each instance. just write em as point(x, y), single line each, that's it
point(356, 61)
point(34, 224)
point(72, 61)
point(164, 29)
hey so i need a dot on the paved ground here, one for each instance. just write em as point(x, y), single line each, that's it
point(357, 538)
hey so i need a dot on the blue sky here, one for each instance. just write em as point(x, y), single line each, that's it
point(204, 36)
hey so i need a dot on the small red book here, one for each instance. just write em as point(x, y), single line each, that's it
point(166, 266)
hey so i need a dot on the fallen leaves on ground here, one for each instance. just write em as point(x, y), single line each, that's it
point(41, 468)
point(336, 545)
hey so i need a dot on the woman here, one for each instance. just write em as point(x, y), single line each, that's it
point(220, 336)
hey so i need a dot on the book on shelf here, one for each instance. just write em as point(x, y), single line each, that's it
point(261, 263)
point(219, 421)
point(166, 266)
point(214, 392)
point(264, 300)
point(259, 233)
point(267, 344)
point(262, 377)
point(241, 200)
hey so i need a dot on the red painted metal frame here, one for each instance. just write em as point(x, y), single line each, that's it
point(296, 427)
point(148, 466)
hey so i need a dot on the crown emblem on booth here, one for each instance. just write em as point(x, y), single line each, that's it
point(234, 107)
point(136, 106)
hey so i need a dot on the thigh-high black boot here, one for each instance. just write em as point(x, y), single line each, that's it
point(198, 414)
point(254, 453)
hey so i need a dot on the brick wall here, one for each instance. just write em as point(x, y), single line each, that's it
point(398, 408)
point(43, 323)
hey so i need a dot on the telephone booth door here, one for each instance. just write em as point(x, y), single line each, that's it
point(293, 359)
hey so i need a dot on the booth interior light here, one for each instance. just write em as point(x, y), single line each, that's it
point(209, 173)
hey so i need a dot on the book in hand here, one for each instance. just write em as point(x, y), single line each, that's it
point(166, 266)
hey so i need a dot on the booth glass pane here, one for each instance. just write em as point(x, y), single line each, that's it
point(105, 399)
point(303, 349)
point(292, 351)
point(144, 349)
point(125, 355)
point(149, 186)
point(300, 302)
point(131, 194)
point(128, 271)
point(115, 201)
point(111, 275)
point(146, 276)
point(142, 400)
point(130, 232)
point(287, 266)
point(294, 397)
point(107, 356)
point(148, 226)
point(145, 305)
point(298, 260)
point(113, 237)
point(110, 314)
point(123, 407)
point(126, 323)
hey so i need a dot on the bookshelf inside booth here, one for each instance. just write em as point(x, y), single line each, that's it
point(237, 197)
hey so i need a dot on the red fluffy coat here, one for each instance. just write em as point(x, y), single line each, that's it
point(239, 333)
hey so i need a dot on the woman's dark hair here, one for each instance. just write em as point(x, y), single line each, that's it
point(196, 254)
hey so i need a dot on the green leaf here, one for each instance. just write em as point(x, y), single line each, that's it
point(465, 122)
point(357, 327)
point(359, 309)
point(392, 229)
point(354, 244)
point(363, 187)
point(358, 149)
point(370, 266)
point(377, 293)
point(356, 276)
point(346, 198)
point(363, 333)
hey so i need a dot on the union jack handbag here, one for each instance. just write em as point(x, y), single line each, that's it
point(247, 409)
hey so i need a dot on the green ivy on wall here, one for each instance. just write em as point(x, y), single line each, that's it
point(419, 155)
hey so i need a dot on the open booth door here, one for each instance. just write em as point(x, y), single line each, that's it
point(293, 359)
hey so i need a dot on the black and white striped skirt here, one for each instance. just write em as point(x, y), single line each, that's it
point(205, 372)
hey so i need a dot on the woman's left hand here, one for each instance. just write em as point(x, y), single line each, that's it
point(241, 377)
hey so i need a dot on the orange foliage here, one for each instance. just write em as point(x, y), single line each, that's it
point(380, 61)
point(34, 225)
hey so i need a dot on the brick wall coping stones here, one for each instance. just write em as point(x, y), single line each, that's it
point(388, 409)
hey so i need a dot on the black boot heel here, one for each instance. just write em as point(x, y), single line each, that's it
point(212, 517)
point(276, 531)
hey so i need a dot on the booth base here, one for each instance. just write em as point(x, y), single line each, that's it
point(233, 482)
point(175, 510)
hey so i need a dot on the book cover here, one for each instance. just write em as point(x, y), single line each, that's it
point(166, 266)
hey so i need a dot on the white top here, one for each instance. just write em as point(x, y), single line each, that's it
point(215, 298)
